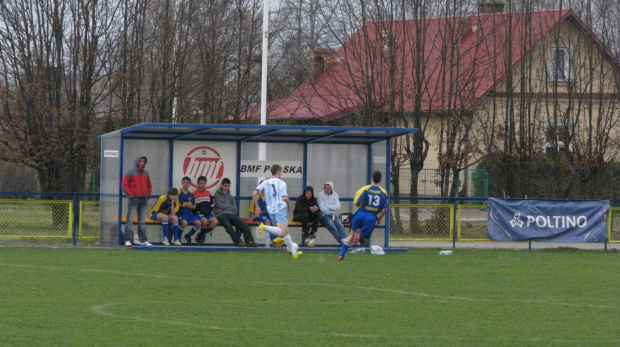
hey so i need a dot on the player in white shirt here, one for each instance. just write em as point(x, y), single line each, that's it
point(278, 205)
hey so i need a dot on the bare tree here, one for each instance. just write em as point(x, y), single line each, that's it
point(50, 65)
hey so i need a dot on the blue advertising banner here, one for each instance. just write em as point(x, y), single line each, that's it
point(542, 220)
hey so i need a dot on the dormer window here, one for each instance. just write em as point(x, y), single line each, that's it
point(559, 64)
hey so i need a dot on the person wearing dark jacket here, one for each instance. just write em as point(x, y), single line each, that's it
point(225, 210)
point(137, 185)
point(306, 211)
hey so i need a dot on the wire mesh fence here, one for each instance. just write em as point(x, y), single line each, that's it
point(88, 220)
point(421, 222)
point(472, 222)
point(36, 218)
point(430, 220)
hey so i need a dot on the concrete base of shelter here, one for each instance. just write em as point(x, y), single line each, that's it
point(230, 248)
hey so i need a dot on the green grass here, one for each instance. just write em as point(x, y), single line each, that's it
point(109, 297)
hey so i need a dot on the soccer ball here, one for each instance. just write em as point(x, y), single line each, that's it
point(311, 243)
point(296, 246)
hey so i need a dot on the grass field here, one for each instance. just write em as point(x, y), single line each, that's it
point(117, 297)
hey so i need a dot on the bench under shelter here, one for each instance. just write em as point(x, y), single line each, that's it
point(310, 155)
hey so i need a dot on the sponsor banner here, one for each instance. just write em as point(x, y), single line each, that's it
point(110, 154)
point(258, 168)
point(214, 160)
point(541, 220)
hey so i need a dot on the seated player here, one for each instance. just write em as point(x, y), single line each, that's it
point(163, 212)
point(204, 207)
point(186, 214)
point(329, 203)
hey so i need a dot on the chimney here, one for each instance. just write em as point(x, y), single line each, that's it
point(491, 7)
point(320, 60)
point(464, 26)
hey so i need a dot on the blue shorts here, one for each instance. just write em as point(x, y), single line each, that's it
point(263, 218)
point(154, 216)
point(280, 217)
point(207, 217)
point(365, 221)
point(190, 217)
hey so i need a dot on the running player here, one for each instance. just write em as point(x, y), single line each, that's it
point(278, 206)
point(372, 203)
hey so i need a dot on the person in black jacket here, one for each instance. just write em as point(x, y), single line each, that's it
point(306, 211)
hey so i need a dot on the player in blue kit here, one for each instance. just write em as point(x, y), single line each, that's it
point(186, 215)
point(372, 203)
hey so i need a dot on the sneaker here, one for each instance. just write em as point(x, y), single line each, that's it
point(177, 242)
point(188, 239)
point(240, 244)
point(146, 243)
point(166, 242)
point(128, 243)
point(200, 240)
point(251, 244)
point(340, 258)
point(298, 254)
point(278, 242)
point(261, 228)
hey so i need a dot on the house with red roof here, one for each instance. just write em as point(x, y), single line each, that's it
point(481, 70)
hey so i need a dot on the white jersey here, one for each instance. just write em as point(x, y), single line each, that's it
point(275, 190)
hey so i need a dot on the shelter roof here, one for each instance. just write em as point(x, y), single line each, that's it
point(260, 133)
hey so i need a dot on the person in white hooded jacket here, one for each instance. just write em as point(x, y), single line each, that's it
point(329, 204)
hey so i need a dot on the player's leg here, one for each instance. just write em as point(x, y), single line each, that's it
point(356, 225)
point(183, 222)
point(196, 225)
point(164, 225)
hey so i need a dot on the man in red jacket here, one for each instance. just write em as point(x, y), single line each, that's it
point(137, 185)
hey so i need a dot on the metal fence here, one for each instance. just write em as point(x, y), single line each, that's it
point(49, 215)
point(472, 183)
point(76, 217)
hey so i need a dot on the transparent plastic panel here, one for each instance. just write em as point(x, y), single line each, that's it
point(344, 165)
point(109, 188)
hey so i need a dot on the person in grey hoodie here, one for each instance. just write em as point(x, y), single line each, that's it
point(329, 204)
point(225, 210)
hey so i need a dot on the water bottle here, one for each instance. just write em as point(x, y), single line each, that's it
point(445, 253)
point(358, 250)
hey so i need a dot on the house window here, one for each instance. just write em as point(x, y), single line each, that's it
point(556, 138)
point(559, 64)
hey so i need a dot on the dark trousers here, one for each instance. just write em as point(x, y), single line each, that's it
point(228, 220)
point(305, 218)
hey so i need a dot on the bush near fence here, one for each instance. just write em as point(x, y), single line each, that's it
point(76, 216)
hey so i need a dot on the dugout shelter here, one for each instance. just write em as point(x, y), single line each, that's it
point(310, 155)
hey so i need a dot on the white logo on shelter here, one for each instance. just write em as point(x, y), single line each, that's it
point(204, 161)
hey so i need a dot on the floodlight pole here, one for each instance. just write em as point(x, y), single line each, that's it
point(262, 147)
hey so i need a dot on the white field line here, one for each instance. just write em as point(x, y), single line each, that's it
point(344, 286)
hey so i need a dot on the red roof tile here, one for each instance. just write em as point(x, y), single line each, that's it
point(479, 56)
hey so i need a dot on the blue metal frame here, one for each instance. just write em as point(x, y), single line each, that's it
point(259, 133)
